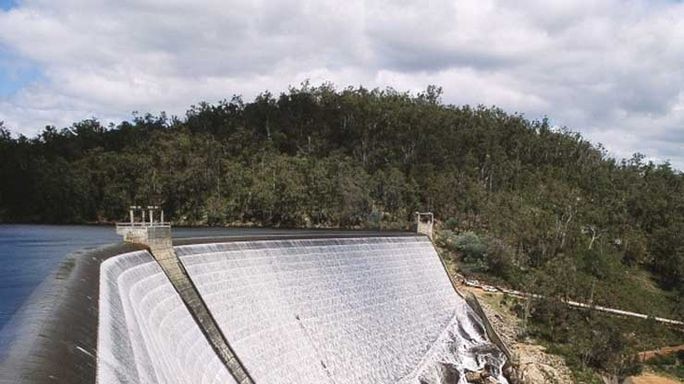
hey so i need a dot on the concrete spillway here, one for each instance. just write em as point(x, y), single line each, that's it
point(145, 333)
point(368, 310)
point(354, 309)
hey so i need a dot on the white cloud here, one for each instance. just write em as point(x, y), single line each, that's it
point(609, 69)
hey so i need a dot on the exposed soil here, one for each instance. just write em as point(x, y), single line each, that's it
point(665, 351)
point(650, 378)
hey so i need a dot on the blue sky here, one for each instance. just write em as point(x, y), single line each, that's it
point(15, 73)
point(7, 4)
point(610, 69)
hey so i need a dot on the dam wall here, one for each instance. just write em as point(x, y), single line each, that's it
point(337, 308)
point(359, 310)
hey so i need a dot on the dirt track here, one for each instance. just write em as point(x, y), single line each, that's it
point(649, 378)
point(646, 355)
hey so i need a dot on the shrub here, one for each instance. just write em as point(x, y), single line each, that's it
point(445, 239)
point(471, 246)
point(451, 224)
point(501, 261)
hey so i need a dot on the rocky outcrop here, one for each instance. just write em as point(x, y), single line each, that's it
point(484, 376)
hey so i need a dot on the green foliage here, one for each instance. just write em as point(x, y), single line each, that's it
point(322, 157)
point(473, 249)
point(501, 262)
point(592, 341)
point(586, 340)
point(485, 254)
point(451, 224)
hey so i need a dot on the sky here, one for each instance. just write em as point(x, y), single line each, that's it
point(612, 70)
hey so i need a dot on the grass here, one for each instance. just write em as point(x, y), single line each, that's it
point(634, 289)
point(497, 301)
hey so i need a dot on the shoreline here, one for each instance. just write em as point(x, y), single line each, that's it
point(53, 336)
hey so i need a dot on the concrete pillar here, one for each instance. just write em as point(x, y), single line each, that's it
point(143, 217)
point(425, 227)
point(162, 216)
point(131, 213)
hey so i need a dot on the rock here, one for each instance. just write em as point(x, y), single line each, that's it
point(481, 377)
point(450, 373)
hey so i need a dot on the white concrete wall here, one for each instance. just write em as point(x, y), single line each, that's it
point(145, 333)
point(373, 310)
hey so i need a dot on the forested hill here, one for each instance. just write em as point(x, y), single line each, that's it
point(356, 158)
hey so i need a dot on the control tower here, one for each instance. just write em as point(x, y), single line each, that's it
point(149, 231)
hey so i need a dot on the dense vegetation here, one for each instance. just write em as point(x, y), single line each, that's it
point(531, 205)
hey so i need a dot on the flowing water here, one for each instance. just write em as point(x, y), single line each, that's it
point(365, 310)
point(145, 333)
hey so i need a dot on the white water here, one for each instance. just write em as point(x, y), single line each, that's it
point(145, 333)
point(373, 310)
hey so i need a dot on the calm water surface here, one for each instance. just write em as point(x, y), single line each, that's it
point(28, 253)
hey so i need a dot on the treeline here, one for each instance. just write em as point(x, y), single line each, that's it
point(317, 156)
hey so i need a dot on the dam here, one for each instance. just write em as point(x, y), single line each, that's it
point(328, 308)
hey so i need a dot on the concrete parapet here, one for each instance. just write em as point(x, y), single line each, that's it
point(145, 233)
point(424, 223)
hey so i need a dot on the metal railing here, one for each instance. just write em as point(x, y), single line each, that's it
point(141, 225)
point(146, 221)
